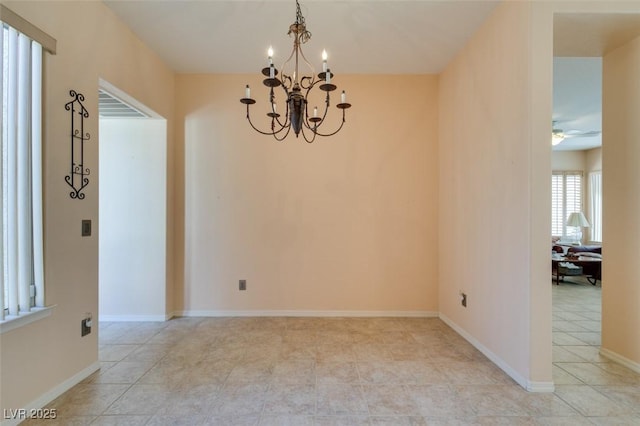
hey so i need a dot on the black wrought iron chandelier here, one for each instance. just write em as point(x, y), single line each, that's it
point(296, 90)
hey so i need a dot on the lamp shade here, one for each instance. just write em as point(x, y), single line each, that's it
point(577, 219)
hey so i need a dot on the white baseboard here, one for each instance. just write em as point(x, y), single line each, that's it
point(527, 384)
point(542, 387)
point(134, 318)
point(55, 392)
point(632, 365)
point(295, 313)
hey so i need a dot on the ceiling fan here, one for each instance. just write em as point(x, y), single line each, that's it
point(558, 135)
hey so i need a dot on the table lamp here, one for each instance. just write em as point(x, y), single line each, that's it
point(578, 221)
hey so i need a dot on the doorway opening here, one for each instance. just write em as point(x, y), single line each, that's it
point(597, 37)
point(132, 209)
point(576, 159)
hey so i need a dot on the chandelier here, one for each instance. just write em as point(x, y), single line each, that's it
point(297, 88)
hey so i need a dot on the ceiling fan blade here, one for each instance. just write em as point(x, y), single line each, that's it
point(581, 134)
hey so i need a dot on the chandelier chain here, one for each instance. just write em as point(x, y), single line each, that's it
point(305, 35)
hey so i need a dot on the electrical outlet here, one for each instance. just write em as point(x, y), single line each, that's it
point(242, 285)
point(464, 299)
point(86, 324)
point(86, 328)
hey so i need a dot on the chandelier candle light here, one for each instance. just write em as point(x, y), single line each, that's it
point(296, 90)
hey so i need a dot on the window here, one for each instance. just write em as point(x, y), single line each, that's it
point(595, 205)
point(566, 198)
point(21, 265)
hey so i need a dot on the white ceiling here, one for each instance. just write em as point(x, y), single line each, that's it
point(360, 36)
point(577, 101)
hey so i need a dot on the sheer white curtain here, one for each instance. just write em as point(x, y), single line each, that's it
point(595, 205)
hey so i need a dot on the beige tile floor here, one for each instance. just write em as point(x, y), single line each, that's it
point(343, 371)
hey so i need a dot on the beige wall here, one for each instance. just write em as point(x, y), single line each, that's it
point(347, 223)
point(593, 160)
point(621, 204)
point(494, 192)
point(568, 160)
point(587, 161)
point(41, 358)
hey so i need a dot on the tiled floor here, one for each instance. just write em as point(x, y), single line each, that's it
point(343, 371)
point(590, 383)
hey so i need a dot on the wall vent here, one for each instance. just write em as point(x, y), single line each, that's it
point(112, 107)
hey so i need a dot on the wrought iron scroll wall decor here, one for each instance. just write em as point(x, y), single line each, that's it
point(77, 178)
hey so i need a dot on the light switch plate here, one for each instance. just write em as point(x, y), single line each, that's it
point(86, 228)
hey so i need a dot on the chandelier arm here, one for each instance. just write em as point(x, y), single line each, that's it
point(313, 72)
point(286, 121)
point(273, 132)
point(285, 124)
point(287, 82)
point(306, 138)
point(275, 135)
point(286, 115)
point(310, 84)
point(315, 126)
point(284, 69)
point(337, 130)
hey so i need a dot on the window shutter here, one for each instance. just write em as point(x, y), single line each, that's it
point(566, 198)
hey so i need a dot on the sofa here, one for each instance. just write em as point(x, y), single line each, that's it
point(593, 271)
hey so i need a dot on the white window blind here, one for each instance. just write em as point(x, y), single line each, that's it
point(566, 198)
point(595, 205)
point(21, 265)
